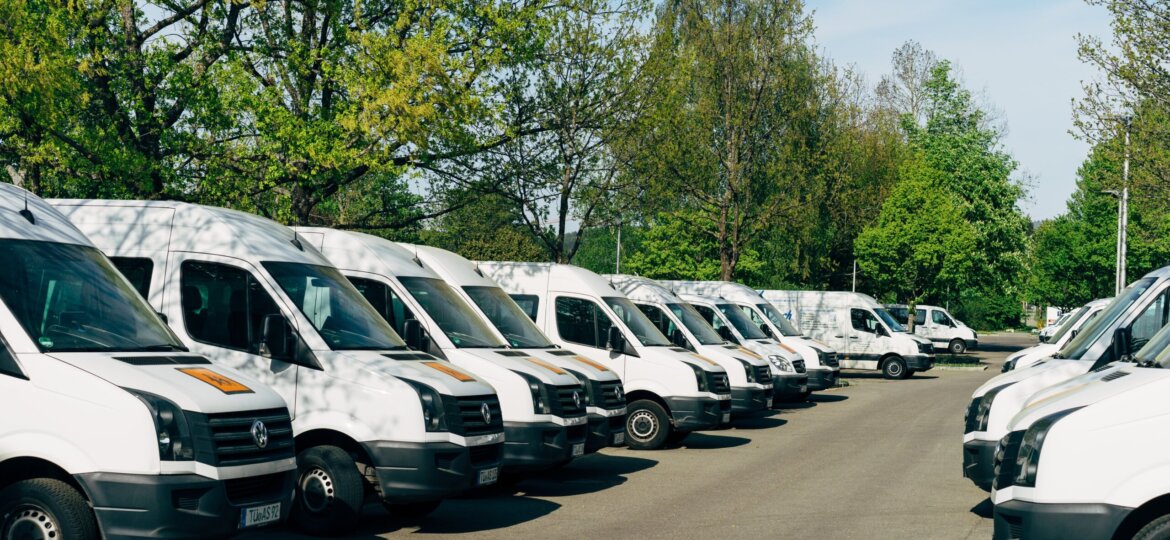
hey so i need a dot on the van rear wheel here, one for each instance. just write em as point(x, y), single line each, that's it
point(957, 346)
point(45, 508)
point(330, 491)
point(1159, 529)
point(894, 368)
point(647, 425)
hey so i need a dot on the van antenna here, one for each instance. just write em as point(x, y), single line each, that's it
point(26, 214)
point(296, 241)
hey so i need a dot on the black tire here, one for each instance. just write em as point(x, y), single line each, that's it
point(46, 508)
point(957, 346)
point(676, 437)
point(647, 425)
point(1159, 529)
point(894, 368)
point(413, 510)
point(330, 492)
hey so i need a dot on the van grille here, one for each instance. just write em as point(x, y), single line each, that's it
point(225, 439)
point(828, 358)
point(717, 382)
point(564, 405)
point(611, 392)
point(798, 365)
point(487, 455)
point(464, 415)
point(1005, 460)
point(257, 488)
point(1114, 376)
point(763, 374)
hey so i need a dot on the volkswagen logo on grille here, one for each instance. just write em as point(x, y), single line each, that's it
point(617, 393)
point(486, 412)
point(259, 434)
point(577, 400)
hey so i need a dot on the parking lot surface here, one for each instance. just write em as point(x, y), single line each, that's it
point(876, 459)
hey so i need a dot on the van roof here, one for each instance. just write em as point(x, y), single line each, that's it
point(642, 289)
point(50, 226)
point(865, 299)
point(538, 278)
point(451, 267)
point(143, 227)
point(361, 252)
point(691, 298)
point(734, 292)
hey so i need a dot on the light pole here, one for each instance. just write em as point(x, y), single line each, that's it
point(1122, 214)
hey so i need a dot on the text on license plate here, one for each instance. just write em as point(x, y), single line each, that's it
point(578, 449)
point(488, 476)
point(259, 515)
point(619, 438)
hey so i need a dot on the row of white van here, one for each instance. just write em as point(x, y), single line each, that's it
point(304, 371)
point(1069, 438)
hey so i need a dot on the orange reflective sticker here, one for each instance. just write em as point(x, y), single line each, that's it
point(785, 347)
point(546, 365)
point(220, 382)
point(707, 360)
point(590, 363)
point(751, 354)
point(449, 370)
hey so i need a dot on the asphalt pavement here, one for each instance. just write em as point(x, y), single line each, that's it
point(876, 459)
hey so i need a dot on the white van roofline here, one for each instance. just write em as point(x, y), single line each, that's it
point(866, 300)
point(48, 225)
point(640, 289)
point(361, 252)
point(450, 266)
point(587, 282)
point(730, 291)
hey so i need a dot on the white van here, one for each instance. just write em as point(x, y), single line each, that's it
point(938, 325)
point(111, 427)
point(749, 374)
point(543, 406)
point(867, 336)
point(671, 391)
point(732, 325)
point(369, 416)
point(1078, 319)
point(1047, 332)
point(1081, 460)
point(820, 360)
point(604, 395)
point(1125, 325)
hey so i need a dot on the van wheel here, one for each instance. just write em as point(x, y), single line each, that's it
point(647, 425)
point(957, 346)
point(45, 508)
point(1159, 529)
point(413, 510)
point(894, 368)
point(330, 491)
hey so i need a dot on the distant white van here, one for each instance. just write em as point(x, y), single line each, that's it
point(938, 325)
point(856, 324)
point(1036, 353)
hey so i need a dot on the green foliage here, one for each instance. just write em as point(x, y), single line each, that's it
point(673, 247)
point(485, 228)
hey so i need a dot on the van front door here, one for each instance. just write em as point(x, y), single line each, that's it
point(584, 326)
point(861, 338)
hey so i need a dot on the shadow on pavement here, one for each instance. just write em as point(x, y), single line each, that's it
point(704, 441)
point(827, 398)
point(762, 422)
point(471, 515)
point(984, 509)
point(794, 406)
point(584, 475)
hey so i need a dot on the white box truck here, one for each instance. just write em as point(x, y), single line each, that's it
point(370, 417)
point(112, 428)
point(938, 325)
point(671, 391)
point(1030, 356)
point(543, 406)
point(860, 329)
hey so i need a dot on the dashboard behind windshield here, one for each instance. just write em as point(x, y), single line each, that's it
point(457, 320)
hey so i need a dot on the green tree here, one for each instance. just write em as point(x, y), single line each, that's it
point(483, 227)
point(671, 248)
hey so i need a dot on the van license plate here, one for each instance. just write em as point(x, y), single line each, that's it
point(726, 417)
point(259, 515)
point(578, 449)
point(488, 476)
point(619, 438)
point(803, 388)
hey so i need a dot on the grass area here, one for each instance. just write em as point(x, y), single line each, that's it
point(957, 360)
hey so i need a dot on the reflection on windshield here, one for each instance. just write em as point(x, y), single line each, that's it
point(1072, 321)
point(451, 313)
point(508, 318)
point(69, 298)
point(889, 320)
point(741, 322)
point(336, 309)
point(637, 322)
point(1093, 330)
point(1157, 351)
point(779, 320)
point(696, 324)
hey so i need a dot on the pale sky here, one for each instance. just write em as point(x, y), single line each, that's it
point(1019, 55)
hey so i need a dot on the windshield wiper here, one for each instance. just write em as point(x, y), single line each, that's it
point(159, 347)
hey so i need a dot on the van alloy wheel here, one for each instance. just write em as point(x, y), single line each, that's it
point(32, 523)
point(643, 425)
point(647, 425)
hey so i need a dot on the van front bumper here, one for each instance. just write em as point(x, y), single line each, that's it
point(919, 362)
point(979, 462)
point(418, 472)
point(750, 400)
point(789, 387)
point(530, 446)
point(181, 505)
point(697, 413)
point(1041, 521)
point(605, 431)
point(822, 378)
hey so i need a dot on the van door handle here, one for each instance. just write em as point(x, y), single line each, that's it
point(839, 336)
point(854, 337)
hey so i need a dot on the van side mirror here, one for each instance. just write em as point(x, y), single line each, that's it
point(615, 341)
point(1121, 342)
point(412, 333)
point(276, 338)
point(767, 330)
point(881, 330)
point(163, 316)
point(679, 339)
point(1074, 333)
point(725, 333)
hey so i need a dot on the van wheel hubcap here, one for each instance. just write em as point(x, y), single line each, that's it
point(316, 490)
point(31, 523)
point(643, 425)
point(895, 369)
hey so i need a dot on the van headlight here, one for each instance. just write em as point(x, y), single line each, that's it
point(172, 432)
point(780, 363)
point(434, 416)
point(700, 377)
point(539, 391)
point(1028, 459)
point(749, 371)
point(983, 413)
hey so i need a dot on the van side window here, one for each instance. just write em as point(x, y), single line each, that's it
point(137, 271)
point(751, 313)
point(1150, 321)
point(528, 303)
point(940, 318)
point(224, 305)
point(863, 320)
point(920, 317)
point(582, 321)
point(709, 316)
point(659, 318)
point(389, 305)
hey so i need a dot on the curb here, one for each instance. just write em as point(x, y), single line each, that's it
point(960, 368)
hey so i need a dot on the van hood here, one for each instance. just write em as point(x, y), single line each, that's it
point(1017, 375)
point(918, 339)
point(523, 362)
point(574, 362)
point(1092, 387)
point(716, 352)
point(1011, 400)
point(443, 376)
point(188, 380)
point(818, 345)
point(682, 355)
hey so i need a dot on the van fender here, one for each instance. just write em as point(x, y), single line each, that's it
point(1140, 488)
point(59, 451)
point(384, 423)
point(648, 385)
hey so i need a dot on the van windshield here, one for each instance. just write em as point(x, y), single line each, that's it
point(457, 320)
point(779, 320)
point(1116, 309)
point(508, 318)
point(741, 322)
point(69, 298)
point(1072, 321)
point(1157, 351)
point(696, 324)
point(339, 313)
point(637, 322)
point(889, 320)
